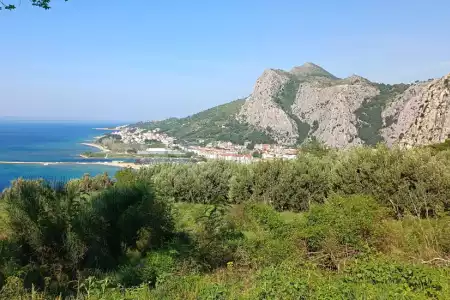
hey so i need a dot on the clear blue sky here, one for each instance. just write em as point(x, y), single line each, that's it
point(142, 59)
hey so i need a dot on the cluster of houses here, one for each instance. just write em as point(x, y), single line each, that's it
point(216, 153)
point(271, 151)
point(241, 154)
point(134, 135)
point(213, 150)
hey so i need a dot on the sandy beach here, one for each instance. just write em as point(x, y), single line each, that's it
point(96, 146)
point(112, 164)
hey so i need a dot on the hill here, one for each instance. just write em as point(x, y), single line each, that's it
point(309, 102)
point(215, 124)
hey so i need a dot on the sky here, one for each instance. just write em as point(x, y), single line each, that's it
point(146, 60)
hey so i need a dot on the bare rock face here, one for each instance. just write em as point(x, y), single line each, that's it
point(329, 108)
point(261, 111)
point(399, 114)
point(308, 101)
point(424, 116)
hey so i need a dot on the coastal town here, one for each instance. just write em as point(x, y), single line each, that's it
point(223, 150)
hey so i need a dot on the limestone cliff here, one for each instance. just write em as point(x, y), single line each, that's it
point(261, 111)
point(421, 115)
point(330, 108)
point(308, 101)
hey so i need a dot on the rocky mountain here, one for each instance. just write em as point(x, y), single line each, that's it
point(289, 107)
point(420, 116)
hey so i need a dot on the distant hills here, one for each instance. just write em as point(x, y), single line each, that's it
point(215, 124)
point(308, 102)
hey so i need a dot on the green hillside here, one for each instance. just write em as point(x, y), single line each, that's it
point(215, 124)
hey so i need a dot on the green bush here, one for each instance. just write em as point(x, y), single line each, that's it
point(422, 281)
point(216, 238)
point(116, 219)
point(60, 234)
point(422, 239)
point(241, 185)
point(343, 227)
point(269, 239)
point(40, 218)
point(154, 267)
point(261, 215)
point(412, 181)
point(214, 178)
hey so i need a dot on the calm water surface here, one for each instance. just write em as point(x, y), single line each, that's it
point(47, 142)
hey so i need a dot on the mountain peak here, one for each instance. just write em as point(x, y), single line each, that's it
point(310, 65)
point(310, 69)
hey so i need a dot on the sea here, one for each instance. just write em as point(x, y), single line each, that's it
point(48, 142)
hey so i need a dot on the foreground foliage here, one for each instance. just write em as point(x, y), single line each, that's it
point(360, 224)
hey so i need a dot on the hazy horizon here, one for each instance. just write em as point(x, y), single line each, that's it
point(104, 61)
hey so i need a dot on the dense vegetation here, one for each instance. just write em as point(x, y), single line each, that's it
point(369, 114)
point(215, 124)
point(359, 224)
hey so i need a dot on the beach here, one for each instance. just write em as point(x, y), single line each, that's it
point(96, 146)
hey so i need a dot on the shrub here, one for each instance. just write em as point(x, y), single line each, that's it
point(119, 218)
point(216, 238)
point(408, 181)
point(60, 233)
point(420, 239)
point(241, 184)
point(343, 227)
point(40, 218)
point(420, 280)
point(262, 215)
point(178, 183)
point(268, 238)
point(214, 178)
point(290, 185)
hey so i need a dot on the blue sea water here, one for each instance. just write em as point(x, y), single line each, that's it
point(47, 142)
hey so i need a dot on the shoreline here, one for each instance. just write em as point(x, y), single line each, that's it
point(105, 129)
point(111, 164)
point(97, 146)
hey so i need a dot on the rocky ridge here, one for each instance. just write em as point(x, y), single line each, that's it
point(308, 102)
point(261, 111)
point(345, 112)
point(423, 117)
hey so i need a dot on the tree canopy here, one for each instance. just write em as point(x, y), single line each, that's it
point(45, 4)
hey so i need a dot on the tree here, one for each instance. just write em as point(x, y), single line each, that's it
point(314, 147)
point(256, 154)
point(45, 4)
